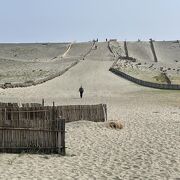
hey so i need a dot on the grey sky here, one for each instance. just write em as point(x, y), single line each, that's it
point(83, 20)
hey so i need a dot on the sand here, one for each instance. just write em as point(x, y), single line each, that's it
point(32, 51)
point(117, 48)
point(78, 50)
point(140, 50)
point(146, 148)
point(22, 63)
point(144, 67)
point(102, 53)
point(168, 52)
point(20, 72)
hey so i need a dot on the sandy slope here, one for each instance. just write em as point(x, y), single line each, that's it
point(146, 148)
point(140, 50)
point(168, 52)
point(14, 71)
point(92, 75)
point(79, 49)
point(22, 63)
point(117, 48)
point(144, 67)
point(27, 52)
point(102, 52)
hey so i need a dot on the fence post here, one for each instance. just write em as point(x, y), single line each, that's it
point(54, 117)
point(53, 110)
point(126, 49)
point(153, 50)
point(5, 115)
point(43, 102)
point(61, 136)
point(105, 111)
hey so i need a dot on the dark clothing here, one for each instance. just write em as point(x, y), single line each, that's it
point(81, 90)
point(81, 94)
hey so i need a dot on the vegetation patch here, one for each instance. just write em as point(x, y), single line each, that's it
point(162, 77)
point(115, 125)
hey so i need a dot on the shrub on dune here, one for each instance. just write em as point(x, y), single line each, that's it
point(115, 124)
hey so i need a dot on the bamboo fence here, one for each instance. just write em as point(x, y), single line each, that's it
point(38, 128)
point(31, 129)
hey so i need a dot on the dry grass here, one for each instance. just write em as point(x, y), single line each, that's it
point(162, 77)
point(115, 125)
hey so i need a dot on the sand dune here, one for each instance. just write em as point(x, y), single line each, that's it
point(102, 52)
point(168, 52)
point(27, 52)
point(78, 50)
point(140, 50)
point(21, 63)
point(144, 67)
point(117, 48)
point(146, 148)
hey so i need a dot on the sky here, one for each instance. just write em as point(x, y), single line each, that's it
point(84, 20)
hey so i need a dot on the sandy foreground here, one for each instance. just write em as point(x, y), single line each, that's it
point(148, 147)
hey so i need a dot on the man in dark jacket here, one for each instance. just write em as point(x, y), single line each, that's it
point(81, 90)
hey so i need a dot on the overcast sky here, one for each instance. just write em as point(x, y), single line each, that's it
point(83, 20)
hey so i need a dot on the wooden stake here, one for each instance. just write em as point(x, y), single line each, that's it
point(43, 102)
point(61, 136)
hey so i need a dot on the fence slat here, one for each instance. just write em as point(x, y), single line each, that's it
point(61, 136)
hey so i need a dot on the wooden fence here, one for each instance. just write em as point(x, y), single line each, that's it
point(96, 113)
point(35, 128)
point(145, 83)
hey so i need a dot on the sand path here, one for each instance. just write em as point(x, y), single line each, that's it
point(94, 76)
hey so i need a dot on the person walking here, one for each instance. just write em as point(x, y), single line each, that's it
point(81, 90)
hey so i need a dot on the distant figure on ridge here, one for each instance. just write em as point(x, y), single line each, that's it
point(81, 90)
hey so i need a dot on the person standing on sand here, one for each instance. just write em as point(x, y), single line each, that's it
point(81, 90)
